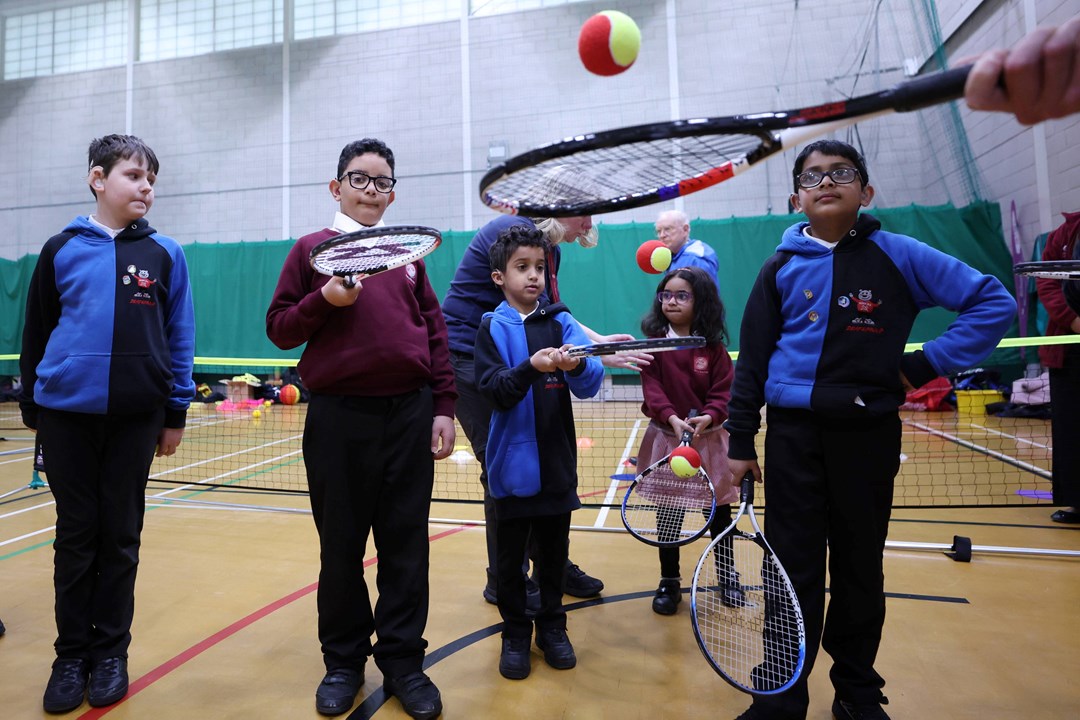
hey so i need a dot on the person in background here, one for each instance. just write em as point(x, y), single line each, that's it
point(673, 229)
point(1063, 362)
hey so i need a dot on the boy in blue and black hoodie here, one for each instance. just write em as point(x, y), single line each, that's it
point(106, 366)
point(822, 347)
point(524, 371)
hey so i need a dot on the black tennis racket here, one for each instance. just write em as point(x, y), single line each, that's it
point(1051, 269)
point(644, 164)
point(747, 618)
point(662, 509)
point(650, 345)
point(373, 250)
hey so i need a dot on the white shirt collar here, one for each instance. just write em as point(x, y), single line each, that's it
point(345, 224)
point(823, 243)
point(113, 232)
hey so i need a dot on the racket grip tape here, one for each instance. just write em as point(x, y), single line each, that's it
point(930, 90)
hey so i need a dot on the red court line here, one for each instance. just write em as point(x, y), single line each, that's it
point(199, 648)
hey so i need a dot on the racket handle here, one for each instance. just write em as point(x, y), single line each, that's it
point(349, 281)
point(688, 435)
point(930, 90)
point(746, 490)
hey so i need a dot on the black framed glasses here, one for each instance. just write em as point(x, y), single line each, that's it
point(681, 297)
point(360, 180)
point(841, 176)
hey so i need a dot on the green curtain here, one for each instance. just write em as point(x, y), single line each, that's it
point(604, 288)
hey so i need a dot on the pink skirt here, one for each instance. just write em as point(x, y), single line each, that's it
point(712, 445)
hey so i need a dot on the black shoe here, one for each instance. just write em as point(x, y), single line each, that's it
point(532, 594)
point(2, 628)
point(337, 691)
point(1070, 517)
point(578, 584)
point(108, 681)
point(756, 713)
point(515, 662)
point(532, 598)
point(558, 652)
point(490, 590)
point(67, 685)
point(731, 594)
point(750, 714)
point(418, 695)
point(842, 710)
point(667, 598)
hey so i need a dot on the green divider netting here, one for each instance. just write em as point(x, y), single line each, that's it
point(603, 286)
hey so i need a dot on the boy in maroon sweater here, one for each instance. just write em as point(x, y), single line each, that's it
point(377, 363)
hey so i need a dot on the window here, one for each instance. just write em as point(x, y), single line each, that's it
point(182, 28)
point(83, 37)
point(319, 18)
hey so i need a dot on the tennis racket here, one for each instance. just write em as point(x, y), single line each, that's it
point(644, 164)
point(373, 250)
point(662, 509)
point(651, 345)
point(747, 618)
point(1051, 269)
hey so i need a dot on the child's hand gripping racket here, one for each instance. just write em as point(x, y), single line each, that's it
point(663, 509)
point(747, 618)
point(373, 250)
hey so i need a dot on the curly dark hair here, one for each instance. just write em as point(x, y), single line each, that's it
point(510, 240)
point(708, 308)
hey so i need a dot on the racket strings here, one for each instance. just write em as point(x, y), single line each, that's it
point(670, 509)
point(745, 615)
point(607, 173)
point(363, 255)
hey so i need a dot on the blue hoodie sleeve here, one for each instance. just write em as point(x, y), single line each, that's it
point(985, 311)
point(180, 331)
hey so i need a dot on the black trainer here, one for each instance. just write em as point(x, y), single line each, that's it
point(532, 594)
point(577, 583)
point(515, 662)
point(667, 598)
point(418, 695)
point(843, 710)
point(338, 690)
point(67, 685)
point(732, 595)
point(558, 652)
point(2, 628)
point(108, 681)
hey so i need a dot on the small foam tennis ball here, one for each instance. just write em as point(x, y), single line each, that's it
point(685, 461)
point(289, 394)
point(256, 414)
point(653, 257)
point(609, 42)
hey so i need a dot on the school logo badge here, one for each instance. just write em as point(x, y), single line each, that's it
point(865, 305)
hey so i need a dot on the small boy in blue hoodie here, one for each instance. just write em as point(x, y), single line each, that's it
point(523, 370)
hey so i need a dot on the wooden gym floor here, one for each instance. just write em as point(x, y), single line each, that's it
point(225, 618)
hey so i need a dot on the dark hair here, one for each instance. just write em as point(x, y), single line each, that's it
point(108, 150)
point(511, 239)
point(830, 147)
point(708, 308)
point(361, 147)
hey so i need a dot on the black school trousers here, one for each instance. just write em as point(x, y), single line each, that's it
point(97, 467)
point(828, 499)
point(1065, 428)
point(370, 472)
